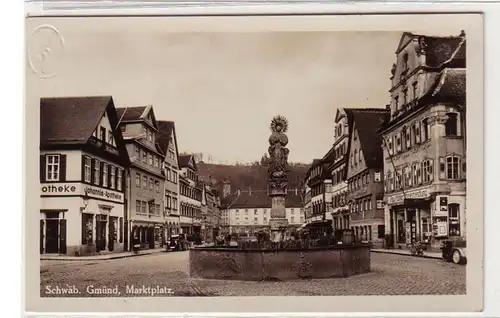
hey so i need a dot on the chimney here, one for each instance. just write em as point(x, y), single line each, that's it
point(226, 190)
point(462, 33)
point(388, 107)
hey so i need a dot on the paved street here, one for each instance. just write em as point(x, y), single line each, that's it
point(390, 275)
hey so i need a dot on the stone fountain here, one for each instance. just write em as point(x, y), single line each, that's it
point(278, 176)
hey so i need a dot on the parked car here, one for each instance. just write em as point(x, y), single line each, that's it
point(454, 251)
point(178, 242)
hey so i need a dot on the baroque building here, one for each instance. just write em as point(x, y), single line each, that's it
point(83, 164)
point(424, 141)
point(145, 182)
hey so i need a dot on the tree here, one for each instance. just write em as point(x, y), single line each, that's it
point(264, 160)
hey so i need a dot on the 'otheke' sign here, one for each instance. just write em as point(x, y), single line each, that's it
point(73, 189)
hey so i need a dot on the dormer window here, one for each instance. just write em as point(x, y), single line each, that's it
point(405, 96)
point(102, 133)
point(414, 88)
point(396, 102)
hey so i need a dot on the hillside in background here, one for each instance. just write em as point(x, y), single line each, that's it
point(246, 176)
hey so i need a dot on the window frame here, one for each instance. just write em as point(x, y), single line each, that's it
point(53, 165)
point(87, 173)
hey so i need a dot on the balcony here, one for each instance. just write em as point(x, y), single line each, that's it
point(103, 146)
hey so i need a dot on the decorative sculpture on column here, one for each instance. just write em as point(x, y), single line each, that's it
point(278, 175)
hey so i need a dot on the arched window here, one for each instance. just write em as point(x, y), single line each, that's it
point(425, 129)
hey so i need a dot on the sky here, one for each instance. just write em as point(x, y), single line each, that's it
point(223, 89)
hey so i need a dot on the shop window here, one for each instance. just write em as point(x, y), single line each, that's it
point(52, 167)
point(451, 126)
point(454, 219)
point(380, 231)
point(87, 228)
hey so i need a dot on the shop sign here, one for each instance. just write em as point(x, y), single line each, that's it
point(68, 189)
point(442, 206)
point(415, 194)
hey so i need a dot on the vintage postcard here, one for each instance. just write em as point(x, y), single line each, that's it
point(195, 164)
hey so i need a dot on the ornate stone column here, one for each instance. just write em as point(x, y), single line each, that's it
point(278, 176)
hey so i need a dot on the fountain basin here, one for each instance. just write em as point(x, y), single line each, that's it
point(279, 265)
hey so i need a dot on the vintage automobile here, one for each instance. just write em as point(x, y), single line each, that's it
point(178, 242)
point(454, 251)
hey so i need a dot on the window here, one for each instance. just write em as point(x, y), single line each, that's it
point(452, 167)
point(405, 62)
point(119, 180)
point(102, 134)
point(381, 231)
point(97, 172)
point(399, 146)
point(377, 177)
point(380, 204)
point(405, 96)
point(360, 155)
point(138, 207)
point(144, 157)
point(416, 133)
point(454, 219)
point(417, 179)
point(157, 186)
point(150, 135)
point(390, 146)
point(87, 228)
point(150, 159)
point(427, 170)
point(425, 129)
point(355, 156)
point(144, 182)
point(414, 88)
point(138, 179)
point(151, 183)
point(407, 176)
point(396, 103)
point(144, 207)
point(112, 177)
point(451, 126)
point(157, 162)
point(110, 138)
point(52, 165)
point(87, 171)
point(292, 219)
point(104, 174)
point(138, 153)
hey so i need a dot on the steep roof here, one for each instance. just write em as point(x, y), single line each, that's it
point(259, 199)
point(71, 120)
point(185, 159)
point(450, 85)
point(438, 49)
point(130, 113)
point(367, 123)
point(165, 130)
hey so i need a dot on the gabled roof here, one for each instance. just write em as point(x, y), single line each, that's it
point(139, 113)
point(256, 199)
point(367, 123)
point(71, 120)
point(165, 131)
point(185, 160)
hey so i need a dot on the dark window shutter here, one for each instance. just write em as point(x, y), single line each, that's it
point(464, 168)
point(102, 174)
point(62, 236)
point(442, 168)
point(62, 168)
point(120, 224)
point(92, 168)
point(42, 231)
point(83, 168)
point(84, 229)
point(109, 176)
point(42, 168)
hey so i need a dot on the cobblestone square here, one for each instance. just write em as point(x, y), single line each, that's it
point(390, 275)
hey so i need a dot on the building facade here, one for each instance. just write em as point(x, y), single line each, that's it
point(338, 169)
point(365, 176)
point(191, 196)
point(167, 139)
point(246, 212)
point(425, 152)
point(145, 182)
point(82, 177)
point(318, 179)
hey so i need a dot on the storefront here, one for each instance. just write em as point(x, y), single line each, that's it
point(78, 219)
point(149, 235)
point(421, 216)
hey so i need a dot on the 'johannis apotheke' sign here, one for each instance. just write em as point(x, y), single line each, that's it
point(65, 189)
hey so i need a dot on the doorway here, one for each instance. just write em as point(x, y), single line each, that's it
point(401, 231)
point(52, 236)
point(100, 233)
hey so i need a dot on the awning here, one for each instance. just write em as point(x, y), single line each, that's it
point(326, 223)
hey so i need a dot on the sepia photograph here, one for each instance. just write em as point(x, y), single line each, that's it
point(182, 161)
